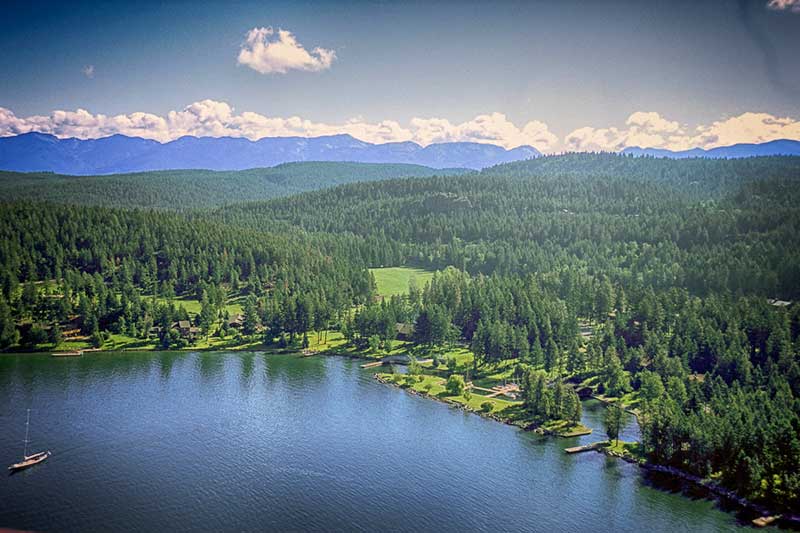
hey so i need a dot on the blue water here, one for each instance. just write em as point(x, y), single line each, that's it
point(253, 442)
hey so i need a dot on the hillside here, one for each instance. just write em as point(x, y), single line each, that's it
point(695, 224)
point(186, 189)
point(700, 177)
point(778, 147)
point(36, 152)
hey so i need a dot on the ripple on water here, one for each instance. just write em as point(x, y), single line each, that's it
point(209, 441)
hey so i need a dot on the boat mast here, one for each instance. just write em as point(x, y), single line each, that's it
point(27, 428)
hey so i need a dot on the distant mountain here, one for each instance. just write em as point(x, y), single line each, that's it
point(192, 189)
point(779, 147)
point(38, 152)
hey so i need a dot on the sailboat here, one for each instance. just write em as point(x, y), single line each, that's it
point(29, 460)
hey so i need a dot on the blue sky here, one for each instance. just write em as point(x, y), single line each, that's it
point(560, 75)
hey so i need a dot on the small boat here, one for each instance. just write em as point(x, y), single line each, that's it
point(29, 460)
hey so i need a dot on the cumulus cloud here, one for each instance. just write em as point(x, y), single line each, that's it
point(643, 129)
point(747, 128)
point(784, 5)
point(217, 119)
point(651, 130)
point(269, 52)
point(494, 128)
point(88, 71)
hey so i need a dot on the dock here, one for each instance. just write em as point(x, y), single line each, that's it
point(372, 365)
point(585, 448)
point(509, 390)
point(76, 353)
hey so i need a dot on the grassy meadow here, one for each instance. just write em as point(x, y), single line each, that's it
point(394, 280)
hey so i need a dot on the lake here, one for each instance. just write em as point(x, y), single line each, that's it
point(254, 441)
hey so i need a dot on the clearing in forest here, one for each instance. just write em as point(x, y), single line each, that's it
point(394, 280)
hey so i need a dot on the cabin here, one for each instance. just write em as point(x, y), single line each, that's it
point(236, 322)
point(404, 331)
point(186, 329)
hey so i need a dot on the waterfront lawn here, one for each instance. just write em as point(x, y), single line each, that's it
point(629, 450)
point(394, 280)
point(566, 428)
point(509, 410)
point(435, 386)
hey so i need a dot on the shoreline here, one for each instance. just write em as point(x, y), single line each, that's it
point(719, 493)
point(716, 492)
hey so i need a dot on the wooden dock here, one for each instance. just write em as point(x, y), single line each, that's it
point(372, 365)
point(76, 353)
point(585, 448)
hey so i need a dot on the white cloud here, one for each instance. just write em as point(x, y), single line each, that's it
point(653, 131)
point(784, 5)
point(217, 119)
point(746, 128)
point(88, 71)
point(270, 52)
point(652, 121)
point(493, 128)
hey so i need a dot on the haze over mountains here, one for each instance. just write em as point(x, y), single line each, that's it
point(33, 152)
point(778, 147)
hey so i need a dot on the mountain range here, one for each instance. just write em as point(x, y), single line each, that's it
point(37, 152)
point(779, 147)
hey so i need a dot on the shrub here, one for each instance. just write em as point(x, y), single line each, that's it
point(455, 385)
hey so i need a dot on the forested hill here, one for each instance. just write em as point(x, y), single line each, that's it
point(186, 189)
point(700, 177)
point(635, 229)
point(192, 189)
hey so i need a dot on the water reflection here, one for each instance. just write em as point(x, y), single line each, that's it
point(209, 364)
point(248, 363)
point(165, 361)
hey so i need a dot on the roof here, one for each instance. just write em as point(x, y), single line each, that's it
point(404, 328)
point(779, 303)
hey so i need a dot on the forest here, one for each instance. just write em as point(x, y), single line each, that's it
point(193, 189)
point(683, 272)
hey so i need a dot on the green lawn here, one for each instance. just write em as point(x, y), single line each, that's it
point(565, 428)
point(192, 305)
point(394, 280)
point(631, 450)
point(435, 386)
